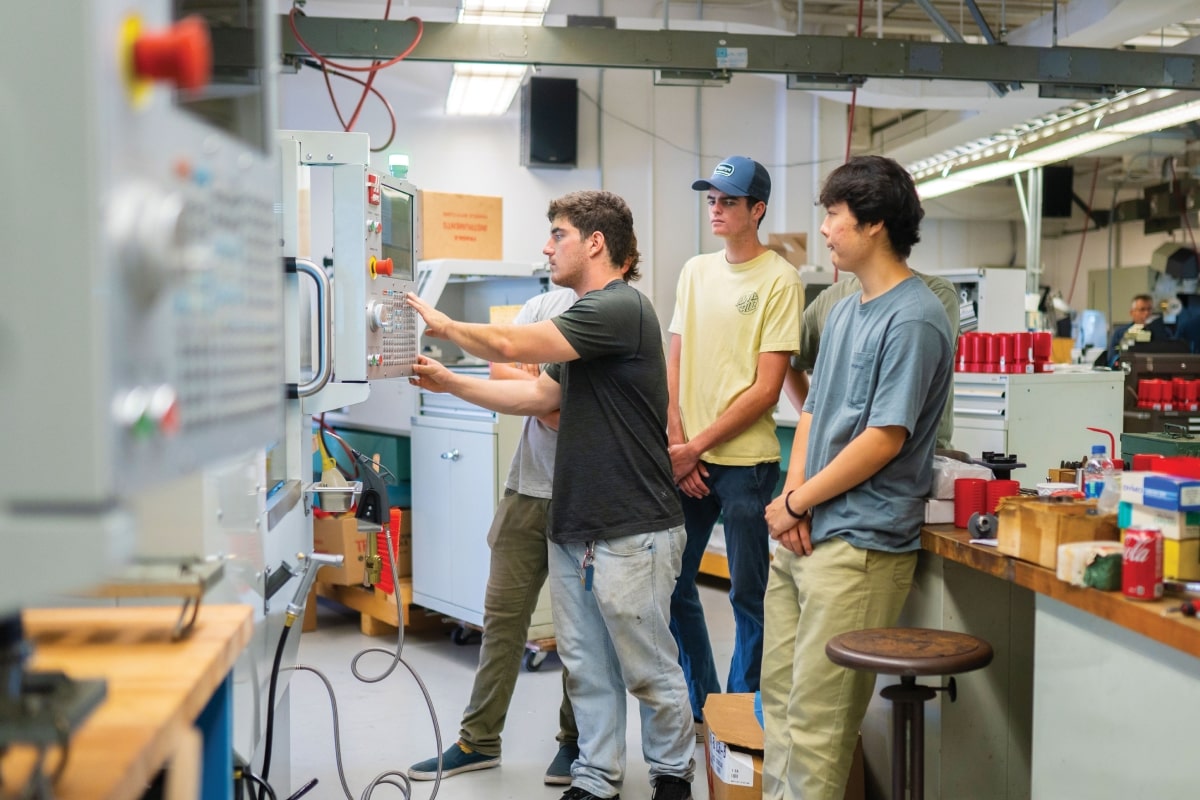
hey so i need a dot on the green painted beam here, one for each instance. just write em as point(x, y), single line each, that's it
point(821, 56)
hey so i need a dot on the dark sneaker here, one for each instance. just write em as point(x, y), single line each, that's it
point(575, 793)
point(559, 771)
point(668, 787)
point(457, 758)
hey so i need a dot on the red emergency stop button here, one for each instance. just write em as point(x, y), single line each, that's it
point(384, 266)
point(182, 54)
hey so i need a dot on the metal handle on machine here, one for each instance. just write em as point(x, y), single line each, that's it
point(451, 455)
point(324, 328)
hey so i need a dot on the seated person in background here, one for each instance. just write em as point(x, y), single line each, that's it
point(1141, 311)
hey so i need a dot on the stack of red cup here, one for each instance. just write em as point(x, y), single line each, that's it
point(998, 489)
point(970, 497)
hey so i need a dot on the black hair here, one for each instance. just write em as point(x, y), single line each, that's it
point(878, 189)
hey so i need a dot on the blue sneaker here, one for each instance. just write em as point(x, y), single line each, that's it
point(457, 758)
point(559, 771)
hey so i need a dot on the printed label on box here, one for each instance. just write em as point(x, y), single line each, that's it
point(732, 767)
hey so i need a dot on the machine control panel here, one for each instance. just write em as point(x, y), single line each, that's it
point(391, 323)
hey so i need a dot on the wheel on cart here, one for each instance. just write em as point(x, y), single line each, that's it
point(534, 659)
point(463, 635)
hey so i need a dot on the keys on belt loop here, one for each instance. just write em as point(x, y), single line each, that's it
point(589, 558)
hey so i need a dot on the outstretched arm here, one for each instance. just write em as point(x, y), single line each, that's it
point(536, 343)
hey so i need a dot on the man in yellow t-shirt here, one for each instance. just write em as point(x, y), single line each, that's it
point(736, 322)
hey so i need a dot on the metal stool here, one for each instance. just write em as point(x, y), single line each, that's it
point(909, 652)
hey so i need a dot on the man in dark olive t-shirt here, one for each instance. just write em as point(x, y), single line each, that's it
point(616, 527)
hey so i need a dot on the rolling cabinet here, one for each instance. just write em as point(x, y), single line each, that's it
point(460, 460)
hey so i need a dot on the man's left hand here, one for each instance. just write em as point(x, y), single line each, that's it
point(431, 375)
point(683, 461)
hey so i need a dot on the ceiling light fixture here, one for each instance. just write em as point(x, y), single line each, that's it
point(1064, 134)
point(691, 77)
point(483, 90)
point(503, 12)
point(488, 89)
point(829, 83)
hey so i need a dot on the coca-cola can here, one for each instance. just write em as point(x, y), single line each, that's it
point(1142, 564)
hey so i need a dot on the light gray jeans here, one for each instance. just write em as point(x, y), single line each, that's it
point(613, 637)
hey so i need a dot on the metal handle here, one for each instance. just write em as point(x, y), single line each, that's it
point(451, 455)
point(324, 328)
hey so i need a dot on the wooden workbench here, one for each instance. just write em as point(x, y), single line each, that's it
point(156, 689)
point(1150, 619)
point(1084, 696)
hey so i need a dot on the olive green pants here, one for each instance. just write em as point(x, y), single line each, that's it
point(518, 569)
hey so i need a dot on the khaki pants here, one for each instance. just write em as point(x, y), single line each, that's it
point(812, 708)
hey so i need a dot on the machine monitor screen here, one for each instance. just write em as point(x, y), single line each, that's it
point(401, 222)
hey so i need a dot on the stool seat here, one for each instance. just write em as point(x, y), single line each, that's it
point(909, 652)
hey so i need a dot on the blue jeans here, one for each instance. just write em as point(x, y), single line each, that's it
point(741, 495)
point(614, 637)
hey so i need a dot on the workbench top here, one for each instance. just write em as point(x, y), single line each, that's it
point(1149, 619)
point(156, 688)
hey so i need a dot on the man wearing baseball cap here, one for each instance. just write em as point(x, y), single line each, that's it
point(736, 322)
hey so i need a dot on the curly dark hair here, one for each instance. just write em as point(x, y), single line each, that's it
point(608, 213)
point(877, 189)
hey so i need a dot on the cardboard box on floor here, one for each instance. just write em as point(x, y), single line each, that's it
point(733, 751)
point(341, 536)
point(403, 544)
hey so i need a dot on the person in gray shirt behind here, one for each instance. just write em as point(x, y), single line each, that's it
point(795, 383)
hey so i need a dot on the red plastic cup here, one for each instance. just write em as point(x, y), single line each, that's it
point(998, 489)
point(970, 497)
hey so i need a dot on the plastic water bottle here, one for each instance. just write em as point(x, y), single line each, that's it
point(1096, 471)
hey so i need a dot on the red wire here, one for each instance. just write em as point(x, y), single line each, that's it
point(1086, 228)
point(853, 105)
point(853, 93)
point(391, 111)
point(375, 66)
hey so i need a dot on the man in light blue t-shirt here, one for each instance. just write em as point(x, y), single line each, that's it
point(848, 521)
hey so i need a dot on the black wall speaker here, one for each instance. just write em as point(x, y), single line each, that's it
point(549, 122)
point(1057, 188)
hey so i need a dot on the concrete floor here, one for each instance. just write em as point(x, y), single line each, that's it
point(387, 725)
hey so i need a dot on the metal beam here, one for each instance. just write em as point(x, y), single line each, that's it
point(737, 52)
point(954, 36)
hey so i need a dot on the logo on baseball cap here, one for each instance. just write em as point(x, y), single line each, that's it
point(738, 176)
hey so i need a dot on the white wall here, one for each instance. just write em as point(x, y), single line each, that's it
point(643, 142)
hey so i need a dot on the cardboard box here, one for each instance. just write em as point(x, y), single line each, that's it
point(462, 226)
point(1057, 475)
point(1161, 491)
point(341, 536)
point(403, 544)
point(733, 751)
point(792, 246)
point(1031, 529)
point(1175, 525)
point(1181, 560)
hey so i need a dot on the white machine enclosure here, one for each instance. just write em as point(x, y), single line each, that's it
point(1041, 418)
point(332, 199)
point(142, 306)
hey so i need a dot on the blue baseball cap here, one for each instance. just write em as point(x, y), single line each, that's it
point(738, 176)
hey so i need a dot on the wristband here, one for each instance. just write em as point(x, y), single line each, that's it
point(788, 506)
